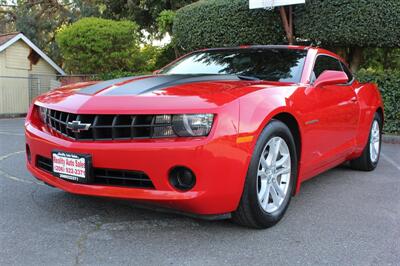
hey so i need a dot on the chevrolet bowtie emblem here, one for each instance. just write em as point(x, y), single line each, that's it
point(77, 126)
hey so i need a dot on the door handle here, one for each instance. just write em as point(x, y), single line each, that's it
point(354, 100)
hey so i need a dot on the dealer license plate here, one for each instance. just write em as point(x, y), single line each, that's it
point(71, 166)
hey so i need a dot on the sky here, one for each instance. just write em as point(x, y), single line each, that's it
point(9, 2)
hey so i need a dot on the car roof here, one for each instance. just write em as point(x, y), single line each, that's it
point(243, 47)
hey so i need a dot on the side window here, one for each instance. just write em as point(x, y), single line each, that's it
point(323, 63)
point(347, 71)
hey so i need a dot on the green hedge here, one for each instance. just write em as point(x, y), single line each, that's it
point(95, 45)
point(218, 23)
point(338, 23)
point(389, 85)
point(344, 23)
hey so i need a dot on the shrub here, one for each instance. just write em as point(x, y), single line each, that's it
point(342, 23)
point(349, 25)
point(94, 45)
point(389, 85)
point(166, 56)
point(119, 74)
point(165, 21)
point(147, 57)
point(218, 23)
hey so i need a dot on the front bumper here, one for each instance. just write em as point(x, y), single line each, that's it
point(219, 164)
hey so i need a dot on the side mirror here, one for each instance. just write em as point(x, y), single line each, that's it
point(155, 72)
point(330, 77)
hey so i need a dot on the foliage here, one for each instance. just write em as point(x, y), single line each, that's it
point(166, 56)
point(119, 74)
point(144, 12)
point(213, 23)
point(165, 21)
point(372, 23)
point(39, 20)
point(6, 17)
point(389, 85)
point(382, 58)
point(147, 58)
point(350, 25)
point(94, 45)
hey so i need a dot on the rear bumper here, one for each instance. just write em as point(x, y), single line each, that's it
point(219, 165)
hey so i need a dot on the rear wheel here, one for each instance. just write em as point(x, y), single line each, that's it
point(370, 156)
point(270, 178)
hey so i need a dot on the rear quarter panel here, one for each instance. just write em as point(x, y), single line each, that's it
point(370, 101)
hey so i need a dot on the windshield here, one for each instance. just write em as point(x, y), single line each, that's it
point(284, 65)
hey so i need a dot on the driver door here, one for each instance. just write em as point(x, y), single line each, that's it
point(332, 118)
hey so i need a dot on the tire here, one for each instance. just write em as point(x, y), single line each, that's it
point(262, 204)
point(370, 156)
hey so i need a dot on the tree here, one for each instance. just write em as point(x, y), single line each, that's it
point(7, 17)
point(143, 12)
point(165, 21)
point(350, 26)
point(217, 23)
point(94, 45)
point(39, 20)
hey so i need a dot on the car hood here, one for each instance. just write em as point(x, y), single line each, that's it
point(155, 94)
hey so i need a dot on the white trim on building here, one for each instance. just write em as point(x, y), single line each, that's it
point(21, 36)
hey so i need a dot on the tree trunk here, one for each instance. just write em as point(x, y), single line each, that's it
point(343, 53)
point(287, 22)
point(356, 58)
point(168, 5)
point(177, 54)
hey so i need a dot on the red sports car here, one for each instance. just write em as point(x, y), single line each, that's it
point(228, 132)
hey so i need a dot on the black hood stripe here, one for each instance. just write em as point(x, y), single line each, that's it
point(102, 85)
point(145, 84)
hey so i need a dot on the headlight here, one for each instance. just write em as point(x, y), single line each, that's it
point(192, 125)
point(43, 114)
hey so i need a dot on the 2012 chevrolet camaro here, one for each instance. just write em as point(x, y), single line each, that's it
point(218, 133)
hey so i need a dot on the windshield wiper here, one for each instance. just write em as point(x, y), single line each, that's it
point(243, 77)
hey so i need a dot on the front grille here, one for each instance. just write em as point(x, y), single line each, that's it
point(106, 127)
point(102, 176)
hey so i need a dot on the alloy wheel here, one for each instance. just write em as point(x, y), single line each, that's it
point(374, 142)
point(273, 176)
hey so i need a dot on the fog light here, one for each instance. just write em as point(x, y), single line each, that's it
point(182, 178)
point(28, 153)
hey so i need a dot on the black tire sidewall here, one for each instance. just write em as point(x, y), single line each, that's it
point(273, 129)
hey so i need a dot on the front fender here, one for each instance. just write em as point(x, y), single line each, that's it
point(257, 109)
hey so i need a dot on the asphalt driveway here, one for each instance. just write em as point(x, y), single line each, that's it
point(342, 217)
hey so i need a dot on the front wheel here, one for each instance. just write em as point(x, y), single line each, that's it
point(370, 156)
point(270, 179)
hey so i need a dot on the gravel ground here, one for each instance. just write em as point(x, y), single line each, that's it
point(341, 217)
